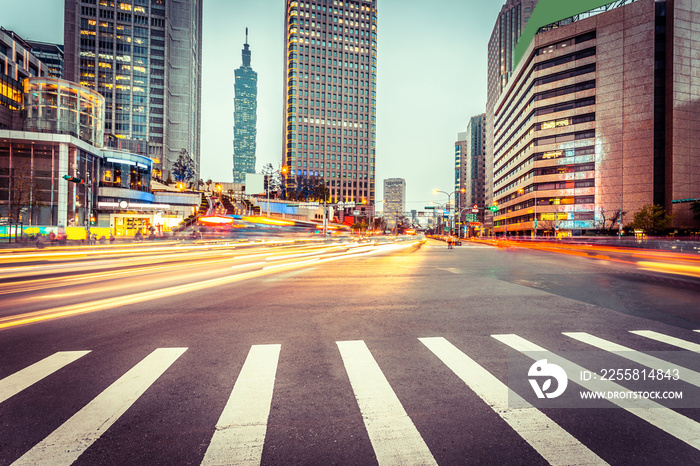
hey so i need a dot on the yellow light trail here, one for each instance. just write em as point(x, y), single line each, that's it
point(120, 301)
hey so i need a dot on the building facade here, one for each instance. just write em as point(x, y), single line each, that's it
point(474, 168)
point(330, 84)
point(51, 54)
point(244, 117)
point(145, 58)
point(460, 170)
point(17, 62)
point(394, 200)
point(597, 119)
point(56, 176)
point(511, 21)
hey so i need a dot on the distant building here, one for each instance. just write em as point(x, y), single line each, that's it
point(394, 199)
point(330, 85)
point(244, 117)
point(145, 58)
point(470, 149)
point(597, 118)
point(51, 54)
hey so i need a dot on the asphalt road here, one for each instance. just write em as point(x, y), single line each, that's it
point(400, 357)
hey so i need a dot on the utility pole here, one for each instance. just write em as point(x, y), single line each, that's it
point(619, 220)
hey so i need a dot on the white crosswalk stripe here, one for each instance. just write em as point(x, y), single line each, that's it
point(688, 345)
point(240, 431)
point(685, 374)
point(670, 421)
point(242, 428)
point(551, 441)
point(15, 383)
point(394, 437)
point(64, 445)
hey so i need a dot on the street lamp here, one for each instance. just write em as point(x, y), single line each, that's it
point(284, 171)
point(449, 201)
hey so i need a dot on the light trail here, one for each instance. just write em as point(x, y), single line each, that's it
point(675, 263)
point(134, 298)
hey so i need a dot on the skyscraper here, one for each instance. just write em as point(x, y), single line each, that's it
point(394, 199)
point(145, 58)
point(330, 82)
point(510, 23)
point(244, 117)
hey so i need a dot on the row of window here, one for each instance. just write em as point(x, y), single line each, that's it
point(541, 96)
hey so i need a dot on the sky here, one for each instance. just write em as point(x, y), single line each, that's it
point(431, 80)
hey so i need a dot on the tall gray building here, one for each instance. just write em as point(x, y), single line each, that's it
point(394, 199)
point(470, 149)
point(244, 117)
point(506, 32)
point(145, 58)
point(330, 85)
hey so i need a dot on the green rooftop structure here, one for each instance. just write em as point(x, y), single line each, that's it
point(553, 11)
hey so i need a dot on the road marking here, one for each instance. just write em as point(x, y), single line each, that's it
point(15, 383)
point(686, 375)
point(669, 421)
point(240, 431)
point(668, 339)
point(64, 445)
point(394, 437)
point(550, 440)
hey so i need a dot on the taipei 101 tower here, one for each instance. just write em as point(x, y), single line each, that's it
point(244, 117)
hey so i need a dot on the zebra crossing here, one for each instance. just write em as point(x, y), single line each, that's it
point(240, 432)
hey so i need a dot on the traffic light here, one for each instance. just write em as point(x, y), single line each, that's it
point(493, 208)
point(73, 179)
point(92, 220)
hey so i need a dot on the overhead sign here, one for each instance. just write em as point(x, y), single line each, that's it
point(254, 183)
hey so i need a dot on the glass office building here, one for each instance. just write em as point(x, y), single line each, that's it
point(145, 58)
point(330, 84)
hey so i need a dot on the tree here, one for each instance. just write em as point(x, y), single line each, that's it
point(651, 219)
point(308, 188)
point(273, 178)
point(695, 207)
point(379, 223)
point(183, 169)
point(25, 194)
point(606, 221)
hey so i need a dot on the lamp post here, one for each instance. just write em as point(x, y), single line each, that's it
point(284, 171)
point(449, 201)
